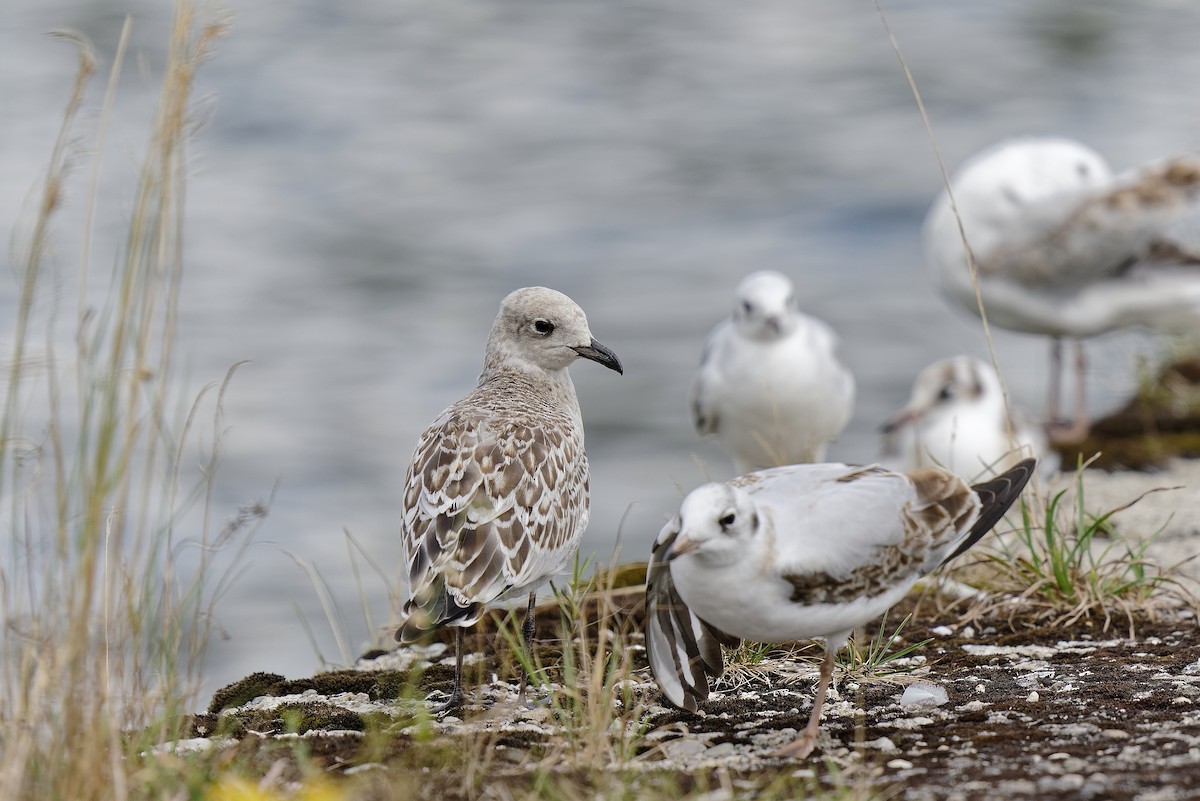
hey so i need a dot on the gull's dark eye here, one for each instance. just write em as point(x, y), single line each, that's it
point(946, 394)
point(728, 520)
point(543, 327)
point(747, 307)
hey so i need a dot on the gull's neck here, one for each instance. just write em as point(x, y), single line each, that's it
point(507, 371)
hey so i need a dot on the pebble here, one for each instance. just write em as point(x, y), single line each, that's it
point(941, 631)
point(1033, 697)
point(682, 749)
point(923, 693)
point(1064, 783)
point(1181, 700)
point(900, 764)
point(720, 750)
point(1115, 734)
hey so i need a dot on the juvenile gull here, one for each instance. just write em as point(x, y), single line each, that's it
point(801, 551)
point(956, 418)
point(496, 497)
point(1064, 248)
point(770, 386)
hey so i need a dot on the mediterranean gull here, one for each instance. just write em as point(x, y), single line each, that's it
point(1064, 248)
point(496, 497)
point(770, 386)
point(957, 419)
point(802, 551)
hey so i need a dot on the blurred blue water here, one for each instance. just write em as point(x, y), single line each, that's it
point(369, 178)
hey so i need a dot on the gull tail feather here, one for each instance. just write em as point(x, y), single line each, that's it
point(431, 608)
point(995, 497)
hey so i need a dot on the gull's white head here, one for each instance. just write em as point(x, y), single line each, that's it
point(949, 387)
point(540, 327)
point(715, 523)
point(765, 306)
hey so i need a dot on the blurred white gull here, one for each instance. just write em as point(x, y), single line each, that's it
point(770, 386)
point(801, 551)
point(1065, 249)
point(956, 419)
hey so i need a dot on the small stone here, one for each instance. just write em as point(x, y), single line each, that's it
point(1064, 783)
point(900, 764)
point(682, 749)
point(1074, 765)
point(923, 693)
point(968, 632)
point(972, 706)
point(513, 755)
point(720, 750)
point(979, 688)
point(1115, 734)
point(884, 744)
point(941, 631)
point(1033, 697)
point(1058, 755)
point(1181, 700)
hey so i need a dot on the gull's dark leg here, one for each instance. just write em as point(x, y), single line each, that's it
point(454, 704)
point(527, 631)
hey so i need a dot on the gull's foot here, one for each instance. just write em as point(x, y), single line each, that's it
point(451, 706)
point(799, 748)
point(1065, 433)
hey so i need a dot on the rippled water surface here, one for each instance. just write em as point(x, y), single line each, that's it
point(369, 178)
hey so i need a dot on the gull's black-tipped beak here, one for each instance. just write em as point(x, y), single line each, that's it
point(898, 420)
point(600, 354)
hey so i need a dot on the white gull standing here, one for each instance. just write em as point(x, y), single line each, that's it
point(770, 386)
point(1064, 248)
point(496, 497)
point(956, 418)
point(801, 551)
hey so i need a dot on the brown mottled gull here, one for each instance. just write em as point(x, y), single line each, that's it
point(802, 551)
point(496, 497)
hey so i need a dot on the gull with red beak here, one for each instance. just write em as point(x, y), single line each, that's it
point(802, 551)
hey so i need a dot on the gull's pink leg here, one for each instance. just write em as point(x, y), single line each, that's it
point(1079, 426)
point(1052, 402)
point(803, 745)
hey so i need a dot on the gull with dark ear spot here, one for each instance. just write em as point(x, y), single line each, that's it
point(496, 496)
point(802, 551)
point(956, 418)
point(770, 387)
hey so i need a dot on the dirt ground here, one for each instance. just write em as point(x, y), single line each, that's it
point(1042, 713)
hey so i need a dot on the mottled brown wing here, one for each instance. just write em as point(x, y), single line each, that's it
point(489, 506)
point(1107, 233)
point(684, 651)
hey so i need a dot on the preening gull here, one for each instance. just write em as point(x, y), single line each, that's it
point(802, 551)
